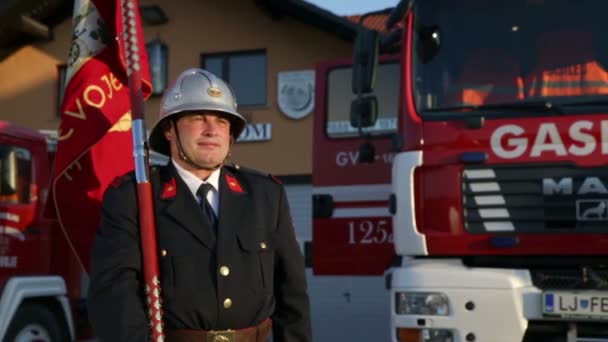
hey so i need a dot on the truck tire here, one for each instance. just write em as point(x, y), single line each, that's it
point(35, 322)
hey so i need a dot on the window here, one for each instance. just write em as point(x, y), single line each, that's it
point(244, 71)
point(339, 97)
point(15, 174)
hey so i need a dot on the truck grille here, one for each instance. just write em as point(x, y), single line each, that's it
point(572, 279)
point(555, 331)
point(523, 199)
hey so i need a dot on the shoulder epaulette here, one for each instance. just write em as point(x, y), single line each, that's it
point(239, 168)
point(121, 179)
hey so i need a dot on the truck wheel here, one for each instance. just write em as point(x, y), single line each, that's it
point(35, 323)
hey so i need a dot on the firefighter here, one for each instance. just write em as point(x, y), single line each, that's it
point(230, 266)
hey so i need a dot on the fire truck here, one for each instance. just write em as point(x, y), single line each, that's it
point(41, 282)
point(472, 174)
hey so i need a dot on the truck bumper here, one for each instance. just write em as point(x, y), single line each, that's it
point(484, 304)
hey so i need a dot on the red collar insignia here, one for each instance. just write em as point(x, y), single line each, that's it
point(169, 190)
point(233, 184)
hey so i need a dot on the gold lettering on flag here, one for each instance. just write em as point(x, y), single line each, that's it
point(80, 115)
point(97, 96)
point(91, 100)
point(64, 136)
point(112, 83)
point(123, 124)
point(70, 168)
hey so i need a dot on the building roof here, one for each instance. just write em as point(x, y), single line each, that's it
point(310, 14)
point(26, 21)
point(375, 22)
point(389, 39)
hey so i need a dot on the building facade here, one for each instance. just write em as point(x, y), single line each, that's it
point(267, 51)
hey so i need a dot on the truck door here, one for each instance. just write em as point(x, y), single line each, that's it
point(22, 244)
point(352, 227)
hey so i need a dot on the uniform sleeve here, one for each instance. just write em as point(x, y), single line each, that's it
point(291, 319)
point(116, 302)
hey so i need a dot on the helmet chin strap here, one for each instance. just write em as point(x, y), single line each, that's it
point(185, 158)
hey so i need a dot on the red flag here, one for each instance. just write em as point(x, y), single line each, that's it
point(95, 142)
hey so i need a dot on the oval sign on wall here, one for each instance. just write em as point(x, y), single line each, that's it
point(296, 93)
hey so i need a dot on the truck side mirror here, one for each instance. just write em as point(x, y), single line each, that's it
point(364, 111)
point(365, 61)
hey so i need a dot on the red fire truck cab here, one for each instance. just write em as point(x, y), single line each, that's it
point(482, 190)
point(40, 280)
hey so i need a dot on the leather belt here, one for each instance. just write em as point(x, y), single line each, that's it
point(252, 334)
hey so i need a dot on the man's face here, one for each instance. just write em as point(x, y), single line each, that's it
point(204, 136)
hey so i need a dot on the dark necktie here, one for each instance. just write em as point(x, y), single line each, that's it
point(205, 205)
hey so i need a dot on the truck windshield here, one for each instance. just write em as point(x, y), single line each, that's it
point(480, 53)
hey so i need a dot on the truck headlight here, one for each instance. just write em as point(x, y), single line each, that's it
point(421, 303)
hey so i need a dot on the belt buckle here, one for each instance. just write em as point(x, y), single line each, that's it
point(221, 336)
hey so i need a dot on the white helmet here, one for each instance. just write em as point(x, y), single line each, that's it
point(195, 89)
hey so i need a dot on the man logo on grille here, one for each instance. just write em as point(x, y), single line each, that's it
point(592, 210)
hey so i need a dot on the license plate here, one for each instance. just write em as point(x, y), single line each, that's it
point(584, 304)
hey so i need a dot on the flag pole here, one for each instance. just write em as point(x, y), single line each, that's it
point(140, 154)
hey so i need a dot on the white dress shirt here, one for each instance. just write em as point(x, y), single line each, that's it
point(193, 183)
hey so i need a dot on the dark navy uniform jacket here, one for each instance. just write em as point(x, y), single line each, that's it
point(250, 270)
